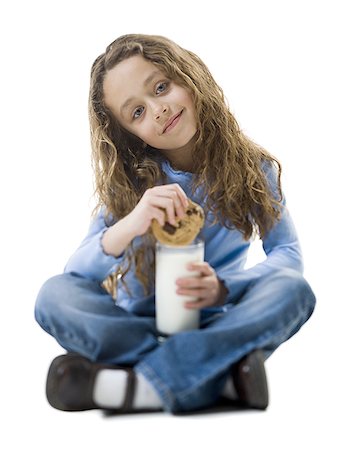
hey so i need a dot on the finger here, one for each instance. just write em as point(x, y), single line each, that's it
point(191, 282)
point(196, 288)
point(203, 267)
point(198, 304)
point(178, 203)
point(174, 187)
point(191, 292)
point(159, 215)
point(170, 195)
point(181, 193)
point(203, 282)
point(180, 198)
point(166, 204)
point(199, 292)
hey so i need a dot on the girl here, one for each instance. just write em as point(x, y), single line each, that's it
point(161, 132)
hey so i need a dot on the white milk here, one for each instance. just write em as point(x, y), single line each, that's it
point(171, 314)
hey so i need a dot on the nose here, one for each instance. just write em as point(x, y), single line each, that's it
point(159, 111)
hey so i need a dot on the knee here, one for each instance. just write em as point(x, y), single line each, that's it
point(50, 297)
point(294, 282)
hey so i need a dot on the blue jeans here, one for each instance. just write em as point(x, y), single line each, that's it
point(188, 369)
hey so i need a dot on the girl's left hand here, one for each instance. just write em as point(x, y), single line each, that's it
point(207, 287)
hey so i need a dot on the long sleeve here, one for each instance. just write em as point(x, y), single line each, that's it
point(90, 260)
point(282, 250)
point(281, 246)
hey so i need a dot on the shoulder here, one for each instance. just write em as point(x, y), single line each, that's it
point(272, 171)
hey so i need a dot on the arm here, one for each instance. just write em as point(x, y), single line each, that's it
point(102, 250)
point(91, 260)
point(281, 246)
point(282, 249)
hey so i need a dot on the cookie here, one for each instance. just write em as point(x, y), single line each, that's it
point(185, 230)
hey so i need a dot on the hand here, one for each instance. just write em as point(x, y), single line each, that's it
point(207, 287)
point(169, 199)
point(163, 203)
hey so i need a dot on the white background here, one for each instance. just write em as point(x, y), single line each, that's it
point(280, 64)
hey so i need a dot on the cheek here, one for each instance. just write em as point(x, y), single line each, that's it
point(188, 101)
point(182, 96)
point(145, 132)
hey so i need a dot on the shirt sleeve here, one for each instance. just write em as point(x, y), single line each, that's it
point(90, 260)
point(281, 246)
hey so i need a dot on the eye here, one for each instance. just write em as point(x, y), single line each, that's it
point(161, 87)
point(138, 112)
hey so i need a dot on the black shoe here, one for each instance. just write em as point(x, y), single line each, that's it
point(70, 383)
point(250, 380)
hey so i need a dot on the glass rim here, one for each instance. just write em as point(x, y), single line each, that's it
point(198, 242)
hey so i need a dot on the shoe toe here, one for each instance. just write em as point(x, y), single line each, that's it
point(70, 383)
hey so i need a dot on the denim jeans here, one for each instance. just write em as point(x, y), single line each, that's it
point(188, 369)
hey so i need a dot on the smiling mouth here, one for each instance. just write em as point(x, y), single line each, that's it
point(172, 122)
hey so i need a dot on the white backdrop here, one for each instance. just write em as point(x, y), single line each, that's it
point(281, 65)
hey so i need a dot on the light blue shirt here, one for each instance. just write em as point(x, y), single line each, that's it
point(225, 250)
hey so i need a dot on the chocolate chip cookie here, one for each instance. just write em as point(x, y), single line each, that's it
point(185, 230)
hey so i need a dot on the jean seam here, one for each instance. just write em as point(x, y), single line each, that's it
point(261, 342)
point(61, 335)
point(163, 390)
point(221, 368)
point(172, 399)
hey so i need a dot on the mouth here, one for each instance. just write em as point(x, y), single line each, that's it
point(170, 123)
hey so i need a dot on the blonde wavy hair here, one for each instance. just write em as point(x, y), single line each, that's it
point(229, 167)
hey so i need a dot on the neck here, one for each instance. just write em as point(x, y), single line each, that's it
point(181, 158)
point(185, 164)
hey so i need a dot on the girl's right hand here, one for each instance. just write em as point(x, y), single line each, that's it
point(169, 199)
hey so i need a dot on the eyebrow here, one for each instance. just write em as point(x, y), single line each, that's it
point(146, 82)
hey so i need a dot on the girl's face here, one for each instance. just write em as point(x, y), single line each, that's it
point(150, 105)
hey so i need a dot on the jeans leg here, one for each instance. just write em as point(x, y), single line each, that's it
point(84, 318)
point(190, 368)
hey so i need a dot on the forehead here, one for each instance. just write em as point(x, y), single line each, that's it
point(126, 80)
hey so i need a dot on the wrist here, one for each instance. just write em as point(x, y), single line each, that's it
point(223, 292)
point(117, 238)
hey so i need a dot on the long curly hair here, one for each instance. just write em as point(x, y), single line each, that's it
point(229, 167)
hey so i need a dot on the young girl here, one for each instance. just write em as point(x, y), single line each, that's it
point(162, 133)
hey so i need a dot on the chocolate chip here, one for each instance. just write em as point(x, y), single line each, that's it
point(192, 211)
point(170, 229)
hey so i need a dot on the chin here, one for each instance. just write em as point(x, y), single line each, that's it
point(179, 143)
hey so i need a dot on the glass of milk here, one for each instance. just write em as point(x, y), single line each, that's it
point(171, 263)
